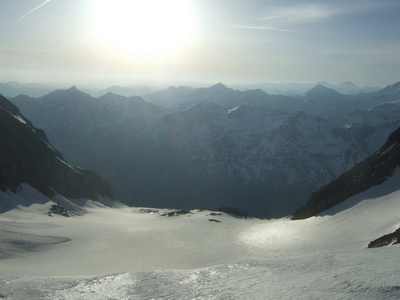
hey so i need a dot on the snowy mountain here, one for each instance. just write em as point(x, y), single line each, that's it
point(27, 158)
point(260, 153)
point(236, 158)
point(372, 171)
point(149, 253)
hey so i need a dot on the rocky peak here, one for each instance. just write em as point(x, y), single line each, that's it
point(320, 91)
point(67, 94)
point(218, 87)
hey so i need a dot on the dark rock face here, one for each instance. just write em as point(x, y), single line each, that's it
point(26, 156)
point(374, 170)
point(385, 240)
point(58, 209)
point(176, 212)
point(233, 212)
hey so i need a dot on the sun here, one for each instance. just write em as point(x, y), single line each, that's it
point(149, 28)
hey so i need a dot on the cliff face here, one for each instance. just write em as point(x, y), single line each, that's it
point(372, 171)
point(26, 156)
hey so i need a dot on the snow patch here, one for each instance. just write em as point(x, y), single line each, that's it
point(19, 118)
point(233, 109)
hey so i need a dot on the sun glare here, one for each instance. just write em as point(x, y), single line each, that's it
point(149, 28)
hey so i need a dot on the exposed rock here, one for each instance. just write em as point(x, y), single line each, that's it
point(176, 212)
point(58, 209)
point(214, 214)
point(385, 240)
point(214, 220)
point(233, 212)
point(149, 210)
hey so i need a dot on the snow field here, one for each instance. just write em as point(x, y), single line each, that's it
point(352, 274)
point(133, 253)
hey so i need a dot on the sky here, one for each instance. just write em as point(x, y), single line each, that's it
point(230, 41)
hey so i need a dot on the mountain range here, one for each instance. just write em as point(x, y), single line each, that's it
point(210, 147)
point(13, 88)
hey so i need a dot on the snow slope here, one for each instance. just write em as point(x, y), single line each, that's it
point(134, 253)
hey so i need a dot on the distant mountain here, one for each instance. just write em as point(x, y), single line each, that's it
point(184, 97)
point(127, 91)
point(320, 92)
point(169, 97)
point(211, 147)
point(257, 160)
point(12, 89)
point(294, 89)
point(349, 88)
point(27, 157)
point(393, 89)
point(372, 171)
point(323, 101)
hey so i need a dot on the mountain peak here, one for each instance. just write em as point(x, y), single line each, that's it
point(393, 88)
point(110, 95)
point(72, 89)
point(72, 92)
point(218, 86)
point(321, 91)
point(321, 88)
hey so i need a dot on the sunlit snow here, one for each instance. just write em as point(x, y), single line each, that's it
point(134, 253)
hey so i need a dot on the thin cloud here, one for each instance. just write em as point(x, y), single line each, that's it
point(31, 11)
point(299, 14)
point(312, 13)
point(264, 28)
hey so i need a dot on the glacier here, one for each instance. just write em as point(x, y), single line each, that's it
point(135, 253)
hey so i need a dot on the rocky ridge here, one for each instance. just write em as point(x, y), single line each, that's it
point(27, 157)
point(372, 171)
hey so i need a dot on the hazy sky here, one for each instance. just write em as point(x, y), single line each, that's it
point(230, 41)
